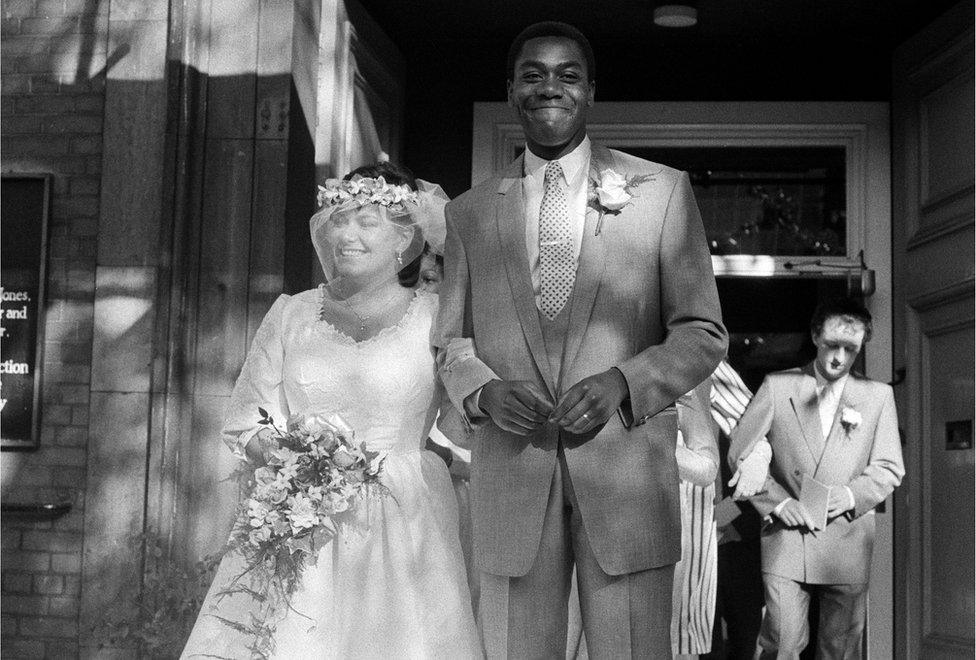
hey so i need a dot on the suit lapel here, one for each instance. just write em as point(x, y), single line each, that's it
point(592, 263)
point(510, 218)
point(805, 405)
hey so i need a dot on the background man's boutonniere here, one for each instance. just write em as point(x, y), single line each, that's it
point(850, 419)
point(612, 193)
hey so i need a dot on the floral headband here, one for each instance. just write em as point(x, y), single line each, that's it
point(364, 190)
point(425, 213)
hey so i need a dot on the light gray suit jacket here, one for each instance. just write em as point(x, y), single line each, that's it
point(644, 301)
point(866, 458)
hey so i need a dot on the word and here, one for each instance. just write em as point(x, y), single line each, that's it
point(16, 314)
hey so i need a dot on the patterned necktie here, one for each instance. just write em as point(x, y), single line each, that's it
point(557, 265)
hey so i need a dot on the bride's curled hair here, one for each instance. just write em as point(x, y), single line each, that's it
point(401, 176)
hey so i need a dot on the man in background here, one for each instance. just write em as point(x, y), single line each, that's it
point(836, 454)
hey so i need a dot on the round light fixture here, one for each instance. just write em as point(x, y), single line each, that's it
point(675, 16)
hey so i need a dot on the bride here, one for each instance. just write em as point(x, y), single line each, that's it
point(392, 583)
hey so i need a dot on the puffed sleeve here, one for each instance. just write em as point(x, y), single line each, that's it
point(259, 384)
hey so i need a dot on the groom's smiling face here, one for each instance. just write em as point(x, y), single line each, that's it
point(551, 91)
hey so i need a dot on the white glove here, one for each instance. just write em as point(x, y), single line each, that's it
point(753, 470)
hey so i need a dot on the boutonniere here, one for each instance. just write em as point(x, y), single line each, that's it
point(850, 419)
point(612, 192)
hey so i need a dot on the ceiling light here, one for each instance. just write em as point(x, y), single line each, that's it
point(675, 16)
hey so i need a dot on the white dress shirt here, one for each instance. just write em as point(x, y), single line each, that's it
point(828, 398)
point(575, 181)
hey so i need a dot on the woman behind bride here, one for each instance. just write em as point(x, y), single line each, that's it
point(391, 583)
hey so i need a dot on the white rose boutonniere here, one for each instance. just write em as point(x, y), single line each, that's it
point(850, 419)
point(612, 192)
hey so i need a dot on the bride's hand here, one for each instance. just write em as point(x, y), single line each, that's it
point(260, 446)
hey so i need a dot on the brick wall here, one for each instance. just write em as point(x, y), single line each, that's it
point(52, 95)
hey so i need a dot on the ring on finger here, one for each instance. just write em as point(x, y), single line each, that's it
point(585, 416)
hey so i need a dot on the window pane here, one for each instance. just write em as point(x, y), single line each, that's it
point(777, 201)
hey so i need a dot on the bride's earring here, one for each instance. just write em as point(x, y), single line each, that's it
point(399, 258)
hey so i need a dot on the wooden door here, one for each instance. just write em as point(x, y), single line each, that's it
point(250, 189)
point(933, 136)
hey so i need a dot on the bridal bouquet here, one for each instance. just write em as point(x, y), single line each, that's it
point(294, 503)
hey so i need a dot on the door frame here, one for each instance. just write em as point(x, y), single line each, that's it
point(862, 128)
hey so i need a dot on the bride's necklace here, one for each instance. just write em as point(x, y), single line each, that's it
point(362, 318)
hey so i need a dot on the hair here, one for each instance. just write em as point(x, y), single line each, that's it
point(552, 29)
point(438, 263)
point(398, 175)
point(848, 309)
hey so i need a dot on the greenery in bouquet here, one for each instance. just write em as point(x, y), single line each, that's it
point(295, 502)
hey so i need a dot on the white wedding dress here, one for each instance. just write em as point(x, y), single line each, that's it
point(392, 584)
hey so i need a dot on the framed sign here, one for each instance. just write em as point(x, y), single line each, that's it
point(24, 206)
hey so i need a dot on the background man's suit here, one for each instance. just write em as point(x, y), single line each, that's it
point(644, 301)
point(866, 458)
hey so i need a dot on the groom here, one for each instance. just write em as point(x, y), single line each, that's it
point(569, 324)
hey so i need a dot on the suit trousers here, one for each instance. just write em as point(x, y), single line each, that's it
point(624, 616)
point(785, 627)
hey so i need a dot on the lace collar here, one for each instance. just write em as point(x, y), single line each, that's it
point(412, 310)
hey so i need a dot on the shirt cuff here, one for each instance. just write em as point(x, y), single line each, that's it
point(779, 507)
point(850, 496)
point(472, 404)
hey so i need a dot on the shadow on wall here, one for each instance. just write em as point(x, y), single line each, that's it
point(187, 245)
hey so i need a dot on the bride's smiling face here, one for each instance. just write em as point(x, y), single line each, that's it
point(365, 242)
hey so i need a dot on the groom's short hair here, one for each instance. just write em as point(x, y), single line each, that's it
point(552, 29)
point(848, 309)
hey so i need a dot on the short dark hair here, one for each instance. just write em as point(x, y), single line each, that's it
point(398, 175)
point(391, 172)
point(849, 309)
point(552, 29)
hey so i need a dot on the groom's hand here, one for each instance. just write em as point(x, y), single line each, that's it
point(794, 515)
point(516, 406)
point(590, 402)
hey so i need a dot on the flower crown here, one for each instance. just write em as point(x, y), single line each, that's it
point(364, 190)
